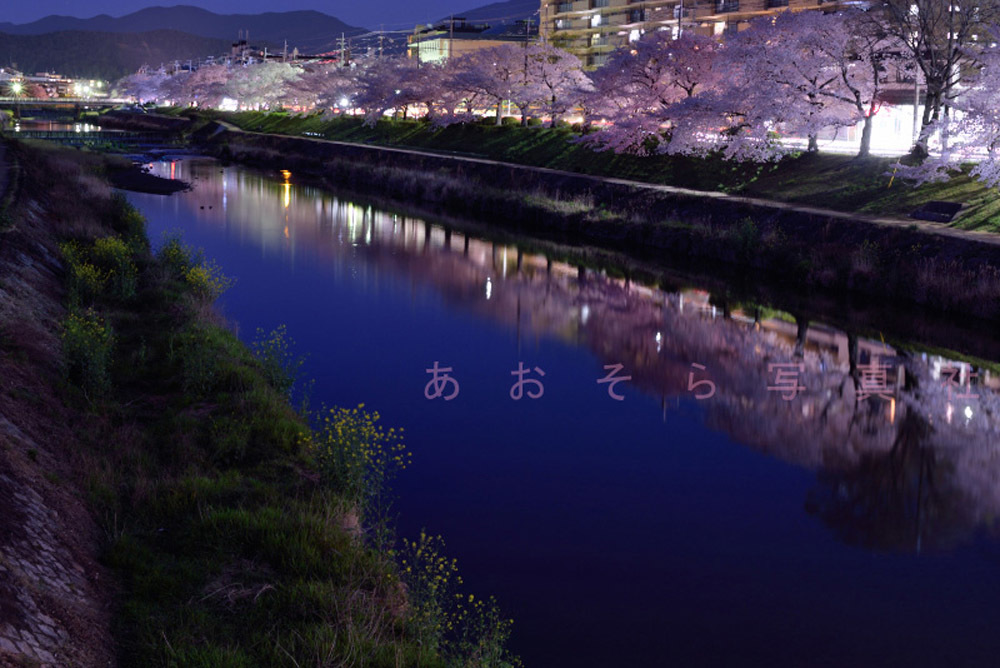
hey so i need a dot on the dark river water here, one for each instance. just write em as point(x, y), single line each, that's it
point(810, 512)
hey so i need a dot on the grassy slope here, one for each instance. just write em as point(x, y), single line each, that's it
point(833, 181)
point(229, 548)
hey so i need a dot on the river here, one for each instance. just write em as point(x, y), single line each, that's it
point(809, 512)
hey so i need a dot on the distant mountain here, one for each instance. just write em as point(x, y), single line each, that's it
point(309, 31)
point(103, 55)
point(498, 12)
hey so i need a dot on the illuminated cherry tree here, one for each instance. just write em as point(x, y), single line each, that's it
point(261, 85)
point(142, 86)
point(640, 85)
point(496, 75)
point(970, 132)
point(328, 85)
point(205, 87)
point(388, 83)
point(800, 73)
point(944, 38)
point(559, 79)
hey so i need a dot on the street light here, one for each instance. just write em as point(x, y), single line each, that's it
point(17, 88)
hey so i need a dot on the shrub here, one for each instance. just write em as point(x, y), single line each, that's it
point(85, 282)
point(175, 256)
point(129, 223)
point(359, 458)
point(204, 277)
point(114, 255)
point(207, 280)
point(466, 630)
point(88, 342)
point(280, 368)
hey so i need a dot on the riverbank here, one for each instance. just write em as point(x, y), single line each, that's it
point(233, 532)
point(881, 260)
point(801, 248)
point(837, 182)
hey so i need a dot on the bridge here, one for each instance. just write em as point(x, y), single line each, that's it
point(112, 138)
point(91, 102)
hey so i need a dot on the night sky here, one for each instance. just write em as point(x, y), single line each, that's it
point(401, 14)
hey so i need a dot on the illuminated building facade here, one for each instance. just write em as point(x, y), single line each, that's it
point(592, 29)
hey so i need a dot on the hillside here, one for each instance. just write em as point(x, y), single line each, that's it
point(103, 55)
point(307, 30)
point(502, 13)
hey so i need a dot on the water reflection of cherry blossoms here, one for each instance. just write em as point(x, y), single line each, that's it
point(914, 468)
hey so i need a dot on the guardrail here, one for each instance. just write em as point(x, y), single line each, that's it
point(71, 137)
point(93, 101)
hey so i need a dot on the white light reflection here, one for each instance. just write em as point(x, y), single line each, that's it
point(489, 288)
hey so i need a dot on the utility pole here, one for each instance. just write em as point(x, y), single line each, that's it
point(451, 38)
point(343, 51)
point(544, 35)
point(381, 36)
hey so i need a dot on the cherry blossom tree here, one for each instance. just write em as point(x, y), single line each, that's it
point(559, 76)
point(780, 69)
point(454, 104)
point(387, 83)
point(204, 87)
point(863, 51)
point(496, 74)
point(944, 38)
point(143, 86)
point(329, 85)
point(971, 132)
point(261, 85)
point(644, 81)
point(803, 72)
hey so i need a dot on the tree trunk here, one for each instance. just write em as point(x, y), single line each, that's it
point(813, 144)
point(932, 108)
point(866, 138)
point(499, 107)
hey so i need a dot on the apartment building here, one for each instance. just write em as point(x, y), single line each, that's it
point(454, 38)
point(592, 29)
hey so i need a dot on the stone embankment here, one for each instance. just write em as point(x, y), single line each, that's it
point(801, 248)
point(54, 596)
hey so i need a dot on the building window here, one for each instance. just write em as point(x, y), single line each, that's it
point(564, 7)
point(636, 15)
point(597, 59)
point(774, 4)
point(595, 20)
point(562, 24)
point(726, 6)
point(634, 35)
point(597, 4)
